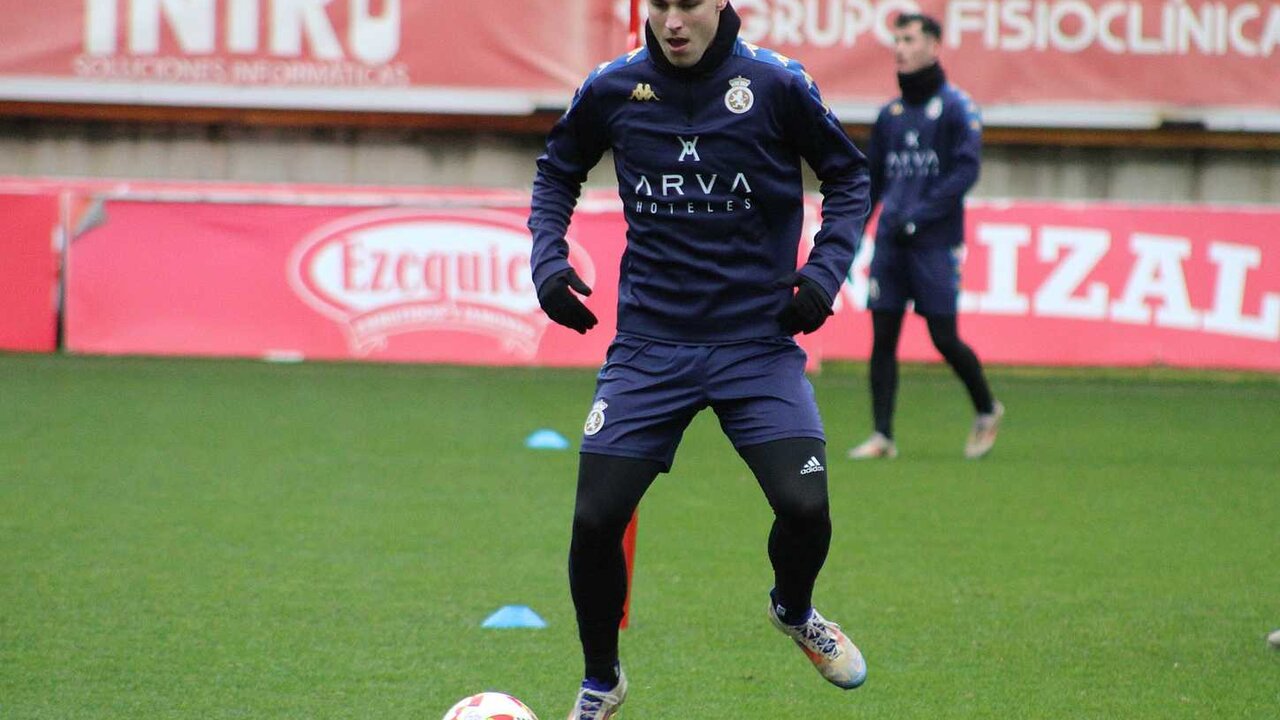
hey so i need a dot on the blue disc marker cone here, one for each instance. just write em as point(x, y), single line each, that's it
point(546, 439)
point(514, 616)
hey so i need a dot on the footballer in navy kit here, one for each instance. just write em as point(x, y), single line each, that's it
point(925, 150)
point(707, 134)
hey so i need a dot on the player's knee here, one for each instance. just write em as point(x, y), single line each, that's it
point(947, 346)
point(955, 350)
point(806, 509)
point(884, 334)
point(793, 475)
point(599, 524)
point(945, 338)
point(609, 488)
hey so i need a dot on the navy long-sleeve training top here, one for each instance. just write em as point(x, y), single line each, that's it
point(924, 158)
point(709, 175)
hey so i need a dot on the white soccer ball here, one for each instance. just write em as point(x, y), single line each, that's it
point(490, 706)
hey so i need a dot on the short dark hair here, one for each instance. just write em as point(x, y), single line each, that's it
point(928, 25)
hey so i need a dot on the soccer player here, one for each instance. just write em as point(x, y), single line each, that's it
point(707, 133)
point(924, 152)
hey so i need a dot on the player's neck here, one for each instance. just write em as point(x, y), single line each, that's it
point(717, 52)
point(917, 87)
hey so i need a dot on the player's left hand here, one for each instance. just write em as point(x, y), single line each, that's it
point(808, 309)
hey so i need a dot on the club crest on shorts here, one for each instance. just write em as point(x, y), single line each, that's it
point(595, 418)
point(739, 98)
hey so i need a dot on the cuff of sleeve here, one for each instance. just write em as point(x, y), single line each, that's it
point(548, 270)
point(823, 281)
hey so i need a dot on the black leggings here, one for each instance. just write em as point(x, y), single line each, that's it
point(886, 328)
point(609, 490)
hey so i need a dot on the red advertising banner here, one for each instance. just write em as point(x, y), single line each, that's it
point(1122, 63)
point(440, 282)
point(1126, 63)
point(28, 271)
point(444, 277)
point(1101, 284)
point(426, 55)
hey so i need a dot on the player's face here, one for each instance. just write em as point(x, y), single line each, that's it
point(685, 28)
point(912, 49)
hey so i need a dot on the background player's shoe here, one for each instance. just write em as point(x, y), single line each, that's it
point(827, 647)
point(983, 435)
point(876, 446)
point(596, 704)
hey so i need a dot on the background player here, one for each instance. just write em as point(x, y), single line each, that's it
point(925, 151)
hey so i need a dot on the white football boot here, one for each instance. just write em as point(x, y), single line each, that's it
point(876, 446)
point(600, 705)
point(827, 647)
point(982, 437)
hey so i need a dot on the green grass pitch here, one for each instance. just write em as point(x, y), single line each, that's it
point(226, 539)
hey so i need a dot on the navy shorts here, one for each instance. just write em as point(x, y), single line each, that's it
point(929, 276)
point(648, 392)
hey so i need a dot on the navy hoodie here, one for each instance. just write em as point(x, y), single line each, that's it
point(708, 166)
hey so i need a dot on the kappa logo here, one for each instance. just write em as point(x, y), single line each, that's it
point(912, 139)
point(811, 466)
point(643, 92)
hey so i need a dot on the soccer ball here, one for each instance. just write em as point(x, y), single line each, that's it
point(490, 706)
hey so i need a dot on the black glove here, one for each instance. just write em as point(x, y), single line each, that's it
point(808, 309)
point(906, 234)
point(564, 307)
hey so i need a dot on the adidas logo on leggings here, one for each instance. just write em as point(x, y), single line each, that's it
point(811, 466)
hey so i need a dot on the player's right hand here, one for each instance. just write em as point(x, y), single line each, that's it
point(562, 306)
point(807, 310)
